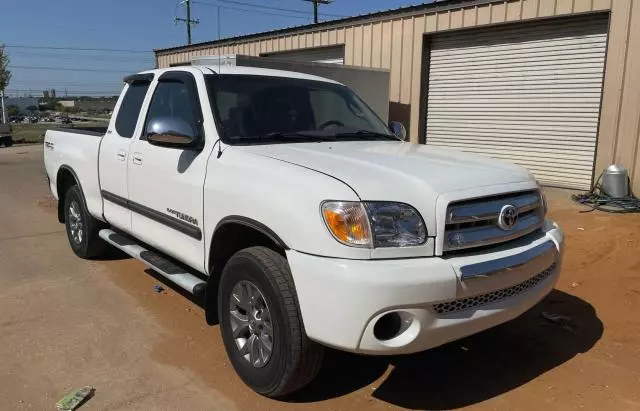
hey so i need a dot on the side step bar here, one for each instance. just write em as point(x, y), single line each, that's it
point(168, 269)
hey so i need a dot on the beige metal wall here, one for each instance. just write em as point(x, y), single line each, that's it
point(396, 44)
point(619, 134)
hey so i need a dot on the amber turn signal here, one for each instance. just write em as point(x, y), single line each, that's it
point(348, 222)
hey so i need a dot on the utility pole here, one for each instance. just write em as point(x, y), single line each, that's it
point(315, 7)
point(188, 21)
point(4, 115)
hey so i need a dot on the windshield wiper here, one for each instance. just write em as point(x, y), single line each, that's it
point(313, 135)
point(365, 134)
point(280, 136)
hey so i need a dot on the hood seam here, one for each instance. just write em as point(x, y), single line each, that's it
point(317, 171)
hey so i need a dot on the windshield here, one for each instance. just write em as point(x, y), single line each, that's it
point(255, 109)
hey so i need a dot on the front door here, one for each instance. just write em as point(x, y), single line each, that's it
point(114, 151)
point(166, 183)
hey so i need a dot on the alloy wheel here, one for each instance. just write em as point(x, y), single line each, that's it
point(251, 324)
point(75, 222)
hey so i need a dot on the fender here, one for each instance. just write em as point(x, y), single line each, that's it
point(251, 223)
point(60, 195)
point(211, 294)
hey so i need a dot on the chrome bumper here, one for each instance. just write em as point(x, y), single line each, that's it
point(544, 254)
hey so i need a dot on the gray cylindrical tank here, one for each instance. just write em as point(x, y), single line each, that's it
point(615, 181)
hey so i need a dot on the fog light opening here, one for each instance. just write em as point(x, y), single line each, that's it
point(388, 326)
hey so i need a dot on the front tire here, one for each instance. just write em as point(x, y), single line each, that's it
point(82, 228)
point(261, 324)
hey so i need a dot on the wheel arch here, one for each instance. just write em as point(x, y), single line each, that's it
point(232, 234)
point(65, 178)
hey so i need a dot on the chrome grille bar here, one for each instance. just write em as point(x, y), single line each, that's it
point(489, 209)
point(474, 223)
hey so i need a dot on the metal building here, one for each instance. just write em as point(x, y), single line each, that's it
point(553, 85)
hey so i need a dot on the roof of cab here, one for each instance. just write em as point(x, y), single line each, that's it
point(257, 71)
point(239, 70)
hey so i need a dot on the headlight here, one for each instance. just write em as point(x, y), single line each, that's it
point(374, 224)
point(395, 224)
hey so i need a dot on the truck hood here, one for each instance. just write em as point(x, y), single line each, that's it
point(415, 174)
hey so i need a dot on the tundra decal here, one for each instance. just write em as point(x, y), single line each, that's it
point(183, 217)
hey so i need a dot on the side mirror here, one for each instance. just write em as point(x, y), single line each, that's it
point(171, 132)
point(398, 129)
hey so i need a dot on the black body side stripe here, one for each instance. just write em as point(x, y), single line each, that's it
point(115, 199)
point(172, 222)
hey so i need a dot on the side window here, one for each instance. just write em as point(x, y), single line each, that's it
point(130, 108)
point(176, 97)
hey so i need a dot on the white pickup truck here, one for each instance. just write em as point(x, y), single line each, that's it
point(302, 219)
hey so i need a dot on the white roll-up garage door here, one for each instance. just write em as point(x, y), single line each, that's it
point(333, 55)
point(528, 93)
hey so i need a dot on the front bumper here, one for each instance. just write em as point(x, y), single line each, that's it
point(439, 300)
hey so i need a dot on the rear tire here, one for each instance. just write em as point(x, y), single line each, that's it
point(82, 228)
point(292, 360)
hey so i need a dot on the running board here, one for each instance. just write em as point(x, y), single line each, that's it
point(168, 269)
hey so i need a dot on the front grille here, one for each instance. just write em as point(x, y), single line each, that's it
point(475, 223)
point(494, 296)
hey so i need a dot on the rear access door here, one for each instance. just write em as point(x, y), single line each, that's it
point(114, 151)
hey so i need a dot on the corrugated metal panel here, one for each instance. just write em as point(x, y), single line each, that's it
point(333, 55)
point(529, 94)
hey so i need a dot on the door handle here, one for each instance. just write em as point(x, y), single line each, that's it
point(122, 155)
point(137, 158)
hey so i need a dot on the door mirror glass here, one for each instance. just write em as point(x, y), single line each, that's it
point(170, 132)
point(398, 129)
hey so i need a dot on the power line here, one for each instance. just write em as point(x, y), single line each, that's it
point(47, 59)
point(251, 11)
point(68, 69)
point(60, 84)
point(72, 55)
point(44, 85)
point(261, 6)
point(40, 89)
point(37, 25)
point(75, 49)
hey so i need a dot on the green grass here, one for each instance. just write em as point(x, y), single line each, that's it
point(34, 133)
point(104, 116)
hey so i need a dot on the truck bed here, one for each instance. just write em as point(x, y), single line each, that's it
point(88, 130)
point(75, 149)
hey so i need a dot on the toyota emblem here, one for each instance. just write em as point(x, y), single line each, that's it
point(508, 217)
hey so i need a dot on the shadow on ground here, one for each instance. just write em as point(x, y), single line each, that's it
point(112, 254)
point(195, 299)
point(471, 370)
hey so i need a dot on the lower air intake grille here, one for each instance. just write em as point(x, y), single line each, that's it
point(492, 297)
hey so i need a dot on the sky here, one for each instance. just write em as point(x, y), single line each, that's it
point(39, 33)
